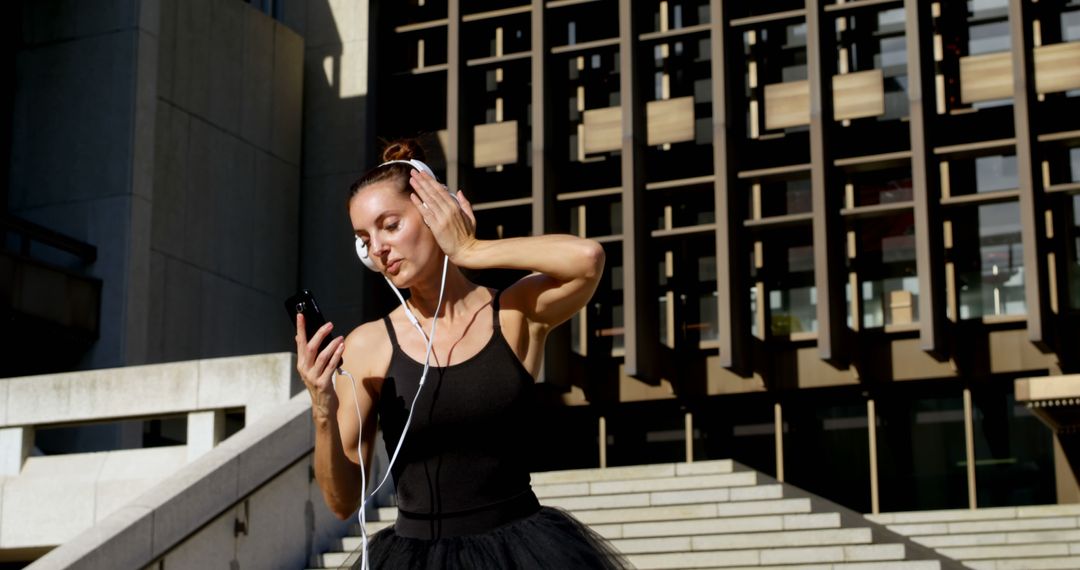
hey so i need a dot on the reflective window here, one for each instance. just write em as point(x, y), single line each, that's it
point(1014, 452)
point(989, 261)
point(827, 450)
point(886, 268)
point(921, 450)
point(793, 299)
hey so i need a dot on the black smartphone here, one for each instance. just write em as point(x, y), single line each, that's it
point(304, 303)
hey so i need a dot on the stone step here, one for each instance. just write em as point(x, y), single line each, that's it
point(1001, 525)
point(701, 511)
point(769, 556)
point(693, 527)
point(889, 565)
point(688, 482)
point(660, 498)
point(958, 515)
point(1055, 563)
point(742, 541)
point(333, 559)
point(660, 470)
point(999, 538)
point(670, 512)
point(1012, 551)
point(373, 526)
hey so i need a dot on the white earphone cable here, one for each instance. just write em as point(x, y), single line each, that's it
point(362, 515)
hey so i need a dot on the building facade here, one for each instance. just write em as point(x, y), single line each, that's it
point(836, 233)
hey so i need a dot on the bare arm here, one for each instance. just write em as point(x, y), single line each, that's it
point(568, 268)
point(334, 413)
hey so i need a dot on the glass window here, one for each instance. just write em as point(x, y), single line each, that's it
point(989, 263)
point(739, 427)
point(783, 197)
point(827, 450)
point(988, 38)
point(642, 433)
point(921, 451)
point(881, 187)
point(886, 267)
point(991, 173)
point(994, 173)
point(793, 298)
point(1070, 26)
point(1014, 451)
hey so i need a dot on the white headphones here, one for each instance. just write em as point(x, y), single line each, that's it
point(361, 247)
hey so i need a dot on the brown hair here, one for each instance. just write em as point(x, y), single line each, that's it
point(402, 149)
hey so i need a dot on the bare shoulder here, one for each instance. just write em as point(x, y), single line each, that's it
point(367, 353)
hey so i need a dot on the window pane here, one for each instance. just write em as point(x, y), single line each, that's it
point(990, 265)
point(921, 452)
point(1014, 452)
point(827, 450)
point(793, 302)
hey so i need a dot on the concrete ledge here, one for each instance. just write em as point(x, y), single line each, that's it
point(256, 383)
point(172, 510)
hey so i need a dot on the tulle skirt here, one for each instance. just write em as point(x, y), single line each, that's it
point(548, 538)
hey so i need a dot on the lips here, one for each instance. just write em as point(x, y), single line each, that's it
point(393, 266)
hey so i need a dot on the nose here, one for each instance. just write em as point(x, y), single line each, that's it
point(378, 248)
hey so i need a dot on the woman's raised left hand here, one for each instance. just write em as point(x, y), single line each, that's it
point(451, 221)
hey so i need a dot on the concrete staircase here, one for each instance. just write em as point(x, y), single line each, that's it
point(712, 514)
point(1007, 538)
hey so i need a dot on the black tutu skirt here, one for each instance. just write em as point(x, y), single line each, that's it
point(548, 538)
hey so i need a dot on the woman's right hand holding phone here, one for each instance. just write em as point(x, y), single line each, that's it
point(317, 368)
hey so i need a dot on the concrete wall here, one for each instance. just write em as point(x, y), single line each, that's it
point(168, 134)
point(82, 148)
point(339, 147)
point(225, 216)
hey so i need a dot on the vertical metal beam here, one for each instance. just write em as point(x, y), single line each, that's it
point(925, 180)
point(640, 317)
point(602, 441)
point(778, 427)
point(688, 428)
point(969, 449)
point(1029, 177)
point(557, 348)
point(731, 271)
point(829, 276)
point(540, 215)
point(453, 94)
point(871, 433)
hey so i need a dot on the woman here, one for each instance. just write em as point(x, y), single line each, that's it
point(462, 482)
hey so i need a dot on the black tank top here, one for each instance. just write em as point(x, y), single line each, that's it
point(462, 469)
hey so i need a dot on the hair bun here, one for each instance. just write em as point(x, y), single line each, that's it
point(403, 149)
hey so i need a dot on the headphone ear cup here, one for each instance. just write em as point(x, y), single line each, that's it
point(362, 253)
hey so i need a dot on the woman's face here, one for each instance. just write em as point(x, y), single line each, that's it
point(399, 243)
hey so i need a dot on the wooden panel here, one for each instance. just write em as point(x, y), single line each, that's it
point(986, 77)
point(858, 95)
point(1057, 67)
point(603, 130)
point(900, 307)
point(495, 144)
point(787, 104)
point(669, 121)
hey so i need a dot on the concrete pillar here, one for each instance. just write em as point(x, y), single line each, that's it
point(204, 430)
point(15, 446)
